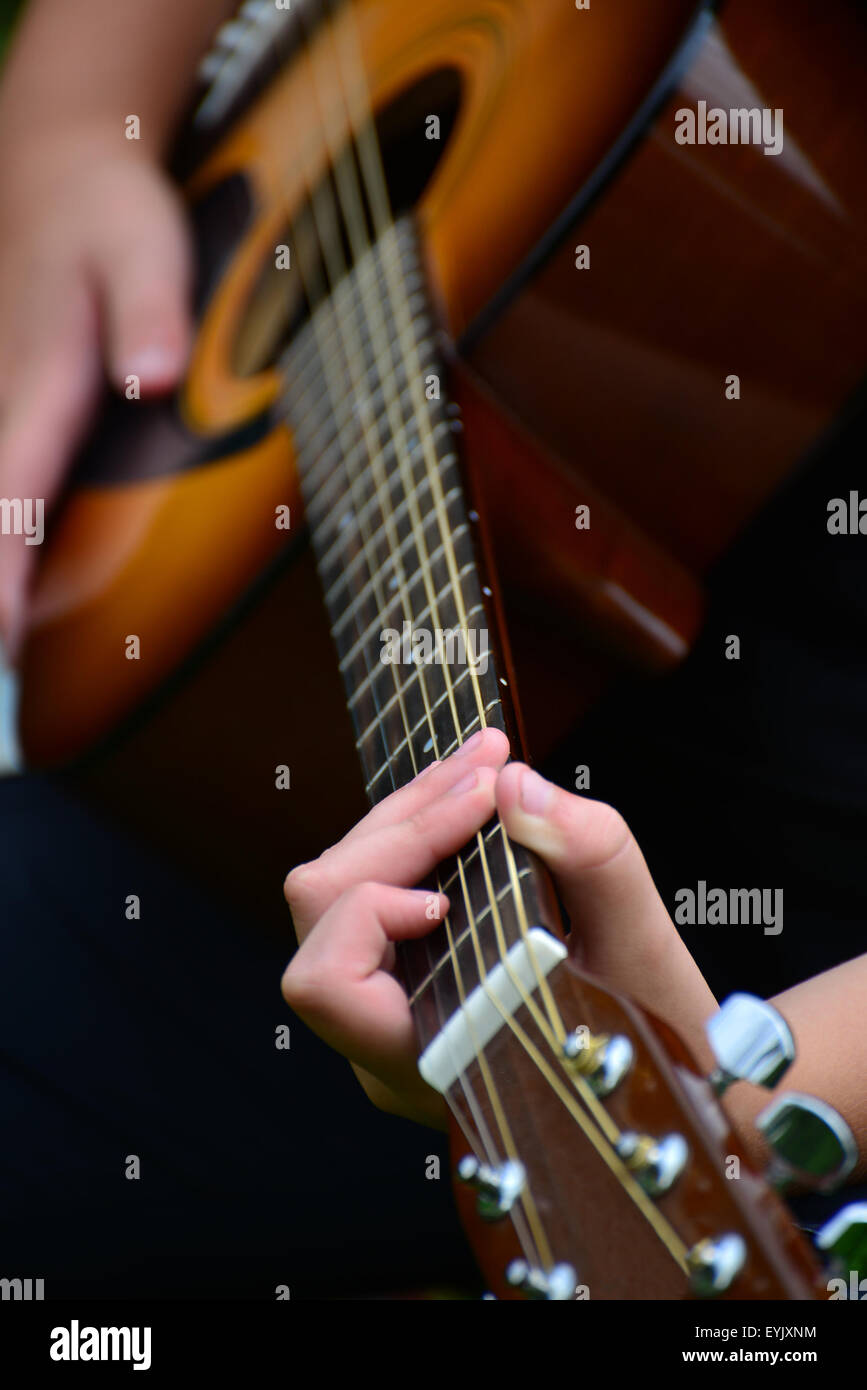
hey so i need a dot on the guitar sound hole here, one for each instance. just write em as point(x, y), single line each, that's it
point(279, 304)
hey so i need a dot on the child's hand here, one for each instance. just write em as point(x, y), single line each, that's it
point(94, 276)
point(356, 900)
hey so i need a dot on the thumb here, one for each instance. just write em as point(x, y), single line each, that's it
point(143, 276)
point(621, 930)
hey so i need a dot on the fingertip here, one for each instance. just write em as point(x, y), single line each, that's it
point(435, 904)
point(496, 745)
point(153, 367)
point(509, 784)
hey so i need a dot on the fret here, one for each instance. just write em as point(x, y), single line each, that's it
point(434, 970)
point(372, 500)
point(439, 743)
point(393, 542)
point(346, 575)
point(445, 970)
point(341, 465)
point(376, 551)
point(375, 582)
point(409, 701)
point(402, 689)
point(444, 603)
point(385, 569)
point(338, 326)
point(334, 418)
point(430, 1009)
point(471, 854)
point(466, 935)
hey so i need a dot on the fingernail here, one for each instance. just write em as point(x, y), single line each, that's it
point(470, 743)
point(151, 363)
point(425, 770)
point(536, 794)
point(466, 784)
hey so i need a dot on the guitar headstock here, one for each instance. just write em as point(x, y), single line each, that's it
point(618, 1173)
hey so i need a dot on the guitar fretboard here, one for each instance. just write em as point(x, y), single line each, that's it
point(393, 537)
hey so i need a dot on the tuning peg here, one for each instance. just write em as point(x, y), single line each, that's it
point(810, 1141)
point(714, 1264)
point(498, 1188)
point(656, 1163)
point(844, 1238)
point(558, 1286)
point(603, 1060)
point(751, 1041)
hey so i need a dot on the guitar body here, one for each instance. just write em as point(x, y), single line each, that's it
point(605, 385)
point(178, 637)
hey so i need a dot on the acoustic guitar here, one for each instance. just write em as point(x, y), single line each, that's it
point(485, 328)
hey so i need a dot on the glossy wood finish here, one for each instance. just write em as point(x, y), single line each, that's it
point(595, 1222)
point(162, 560)
point(520, 98)
point(709, 260)
point(607, 583)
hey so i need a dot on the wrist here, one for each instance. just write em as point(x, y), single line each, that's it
point(78, 140)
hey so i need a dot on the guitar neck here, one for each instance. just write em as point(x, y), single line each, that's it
point(492, 992)
point(413, 621)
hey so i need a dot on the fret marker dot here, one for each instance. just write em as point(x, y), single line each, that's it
point(428, 746)
point(487, 591)
point(473, 516)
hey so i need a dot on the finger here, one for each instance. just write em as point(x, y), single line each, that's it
point(486, 748)
point(421, 1103)
point(621, 929)
point(401, 854)
point(143, 279)
point(339, 982)
point(48, 402)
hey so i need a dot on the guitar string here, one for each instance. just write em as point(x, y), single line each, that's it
point(312, 293)
point(578, 1114)
point(363, 131)
point(609, 1132)
point(328, 247)
point(616, 1163)
point(483, 856)
point(567, 1100)
point(499, 1113)
point(365, 126)
point(363, 135)
point(432, 972)
point(377, 191)
point(355, 221)
point(352, 354)
point(478, 1117)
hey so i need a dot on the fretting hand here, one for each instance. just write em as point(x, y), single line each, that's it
point(357, 900)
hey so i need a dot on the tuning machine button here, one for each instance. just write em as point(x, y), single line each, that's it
point(498, 1188)
point(602, 1060)
point(715, 1263)
point(751, 1041)
point(844, 1239)
point(810, 1141)
point(558, 1286)
point(656, 1163)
